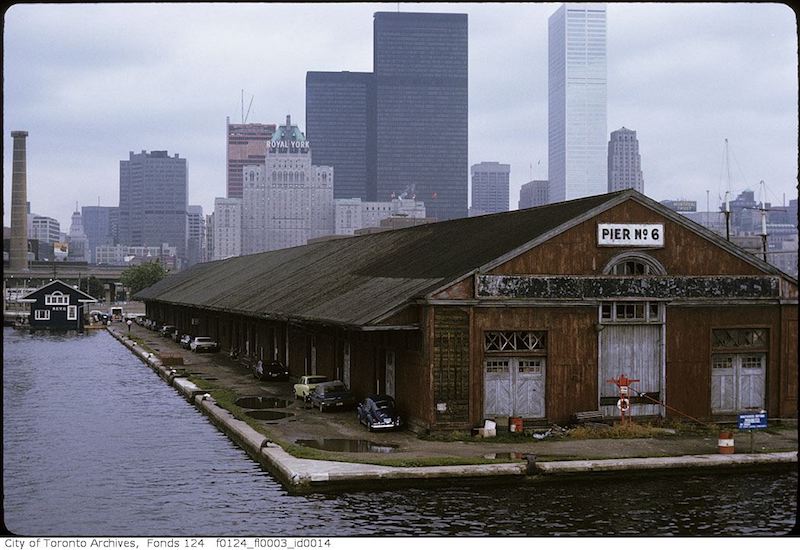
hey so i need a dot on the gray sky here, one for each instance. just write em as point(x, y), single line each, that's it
point(91, 82)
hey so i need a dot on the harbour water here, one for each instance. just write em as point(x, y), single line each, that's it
point(95, 444)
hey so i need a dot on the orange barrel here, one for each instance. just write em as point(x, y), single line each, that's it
point(515, 424)
point(726, 443)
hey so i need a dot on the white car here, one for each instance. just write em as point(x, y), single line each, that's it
point(203, 343)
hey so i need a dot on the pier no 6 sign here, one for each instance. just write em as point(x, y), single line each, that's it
point(630, 234)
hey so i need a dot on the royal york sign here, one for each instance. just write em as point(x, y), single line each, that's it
point(630, 234)
point(288, 144)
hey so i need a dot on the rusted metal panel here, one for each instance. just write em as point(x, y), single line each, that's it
point(659, 287)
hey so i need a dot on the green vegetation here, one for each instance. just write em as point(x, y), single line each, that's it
point(141, 344)
point(299, 451)
point(620, 431)
point(93, 287)
point(139, 277)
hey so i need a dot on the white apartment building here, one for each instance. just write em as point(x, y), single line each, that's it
point(47, 230)
point(227, 228)
point(351, 215)
point(118, 254)
point(286, 201)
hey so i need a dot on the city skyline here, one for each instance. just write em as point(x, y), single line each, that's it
point(685, 76)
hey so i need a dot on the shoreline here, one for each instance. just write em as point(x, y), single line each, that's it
point(299, 475)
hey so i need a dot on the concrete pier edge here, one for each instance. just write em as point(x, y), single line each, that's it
point(305, 475)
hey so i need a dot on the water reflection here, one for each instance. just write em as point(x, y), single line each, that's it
point(261, 402)
point(347, 445)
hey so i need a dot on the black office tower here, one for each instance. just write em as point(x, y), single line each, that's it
point(340, 125)
point(420, 68)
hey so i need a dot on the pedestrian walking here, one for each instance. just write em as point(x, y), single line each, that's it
point(129, 325)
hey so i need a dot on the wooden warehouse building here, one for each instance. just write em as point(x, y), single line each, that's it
point(526, 313)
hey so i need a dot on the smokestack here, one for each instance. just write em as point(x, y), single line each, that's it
point(18, 256)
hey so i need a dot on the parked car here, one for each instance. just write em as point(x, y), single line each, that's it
point(332, 395)
point(377, 412)
point(270, 370)
point(167, 330)
point(186, 341)
point(306, 385)
point(203, 343)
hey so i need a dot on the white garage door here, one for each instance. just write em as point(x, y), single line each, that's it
point(635, 351)
point(737, 382)
point(514, 387)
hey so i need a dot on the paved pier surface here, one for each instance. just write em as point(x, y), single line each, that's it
point(522, 460)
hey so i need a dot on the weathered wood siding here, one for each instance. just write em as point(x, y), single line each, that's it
point(689, 350)
point(788, 392)
point(571, 383)
point(575, 252)
point(451, 366)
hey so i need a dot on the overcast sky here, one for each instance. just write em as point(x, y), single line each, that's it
point(91, 82)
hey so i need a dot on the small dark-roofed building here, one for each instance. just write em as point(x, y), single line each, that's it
point(58, 306)
point(518, 314)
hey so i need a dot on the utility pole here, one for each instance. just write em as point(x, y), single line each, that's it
point(727, 216)
point(763, 221)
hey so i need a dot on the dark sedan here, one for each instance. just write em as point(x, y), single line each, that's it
point(332, 395)
point(377, 412)
point(271, 370)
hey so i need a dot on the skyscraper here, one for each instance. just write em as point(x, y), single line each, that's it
point(577, 162)
point(490, 181)
point(153, 191)
point(287, 200)
point(420, 67)
point(196, 236)
point(245, 145)
point(99, 226)
point(624, 162)
point(340, 115)
point(226, 228)
point(533, 193)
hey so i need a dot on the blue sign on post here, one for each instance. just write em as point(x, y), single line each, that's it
point(753, 421)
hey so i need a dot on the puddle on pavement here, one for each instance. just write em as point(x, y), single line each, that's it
point(268, 415)
point(347, 445)
point(261, 403)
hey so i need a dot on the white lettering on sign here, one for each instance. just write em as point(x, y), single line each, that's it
point(289, 144)
point(630, 234)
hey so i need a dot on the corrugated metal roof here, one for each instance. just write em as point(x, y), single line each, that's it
point(353, 281)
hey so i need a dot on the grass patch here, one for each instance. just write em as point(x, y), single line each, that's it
point(620, 431)
point(310, 453)
point(141, 344)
